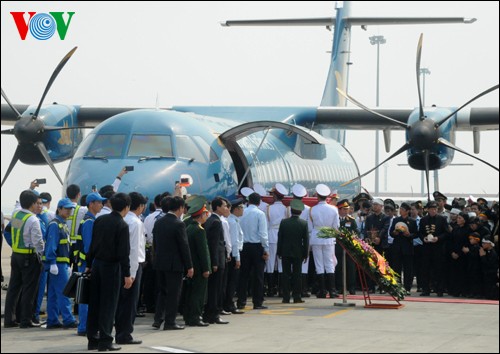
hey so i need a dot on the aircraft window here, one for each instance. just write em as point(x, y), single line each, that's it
point(188, 150)
point(106, 146)
point(206, 148)
point(150, 145)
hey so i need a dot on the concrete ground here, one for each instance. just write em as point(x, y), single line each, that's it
point(315, 326)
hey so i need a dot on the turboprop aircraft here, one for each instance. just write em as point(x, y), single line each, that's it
point(217, 150)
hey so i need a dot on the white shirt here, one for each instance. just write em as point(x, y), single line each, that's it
point(236, 235)
point(149, 224)
point(227, 235)
point(254, 226)
point(322, 215)
point(104, 211)
point(137, 242)
point(32, 235)
point(275, 213)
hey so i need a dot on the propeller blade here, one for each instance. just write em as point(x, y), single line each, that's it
point(445, 142)
point(45, 154)
point(8, 131)
point(362, 106)
point(419, 56)
point(53, 78)
point(401, 149)
point(15, 158)
point(426, 162)
point(10, 104)
point(493, 88)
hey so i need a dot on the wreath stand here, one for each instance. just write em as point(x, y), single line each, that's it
point(366, 291)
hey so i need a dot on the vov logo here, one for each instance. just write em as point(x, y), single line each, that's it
point(42, 26)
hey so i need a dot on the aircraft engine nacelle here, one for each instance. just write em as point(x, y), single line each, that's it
point(53, 128)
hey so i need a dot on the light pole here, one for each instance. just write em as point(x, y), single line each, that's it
point(423, 72)
point(377, 40)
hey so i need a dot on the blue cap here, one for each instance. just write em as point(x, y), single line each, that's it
point(94, 196)
point(65, 203)
point(38, 195)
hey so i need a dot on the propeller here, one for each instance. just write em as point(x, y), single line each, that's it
point(29, 130)
point(423, 134)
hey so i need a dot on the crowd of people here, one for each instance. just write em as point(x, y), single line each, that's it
point(205, 259)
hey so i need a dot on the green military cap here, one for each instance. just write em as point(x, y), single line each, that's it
point(297, 205)
point(197, 207)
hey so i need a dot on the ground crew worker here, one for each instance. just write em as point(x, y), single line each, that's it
point(94, 202)
point(57, 261)
point(27, 249)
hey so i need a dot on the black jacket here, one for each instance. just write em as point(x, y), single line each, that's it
point(170, 245)
point(215, 238)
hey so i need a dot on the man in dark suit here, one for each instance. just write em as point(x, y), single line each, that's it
point(293, 248)
point(215, 238)
point(108, 258)
point(171, 258)
point(433, 231)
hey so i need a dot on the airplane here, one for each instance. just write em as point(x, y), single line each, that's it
point(217, 149)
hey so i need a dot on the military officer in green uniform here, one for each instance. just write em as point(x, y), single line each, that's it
point(293, 249)
point(348, 222)
point(196, 287)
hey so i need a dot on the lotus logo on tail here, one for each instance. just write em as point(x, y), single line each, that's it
point(42, 26)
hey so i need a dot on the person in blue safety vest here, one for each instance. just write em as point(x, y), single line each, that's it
point(57, 261)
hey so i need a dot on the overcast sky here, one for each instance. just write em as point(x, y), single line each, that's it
point(130, 53)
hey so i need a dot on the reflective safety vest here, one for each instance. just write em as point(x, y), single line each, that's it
point(18, 221)
point(78, 250)
point(63, 252)
point(73, 232)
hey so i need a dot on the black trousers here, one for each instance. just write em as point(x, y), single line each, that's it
point(233, 275)
point(292, 268)
point(169, 290)
point(24, 278)
point(104, 292)
point(251, 260)
point(214, 290)
point(127, 309)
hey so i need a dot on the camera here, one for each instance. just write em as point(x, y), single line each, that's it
point(129, 168)
point(41, 180)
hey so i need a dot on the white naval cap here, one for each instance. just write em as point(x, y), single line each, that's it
point(246, 191)
point(258, 188)
point(455, 211)
point(323, 190)
point(280, 189)
point(378, 201)
point(299, 190)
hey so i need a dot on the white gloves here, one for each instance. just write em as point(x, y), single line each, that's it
point(53, 269)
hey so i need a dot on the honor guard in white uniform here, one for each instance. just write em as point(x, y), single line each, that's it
point(299, 192)
point(259, 188)
point(245, 192)
point(323, 215)
point(275, 213)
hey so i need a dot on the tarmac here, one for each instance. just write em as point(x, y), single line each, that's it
point(316, 326)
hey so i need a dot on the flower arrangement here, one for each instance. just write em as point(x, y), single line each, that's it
point(370, 260)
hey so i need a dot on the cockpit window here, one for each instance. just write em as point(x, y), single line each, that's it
point(150, 145)
point(106, 146)
point(206, 148)
point(187, 149)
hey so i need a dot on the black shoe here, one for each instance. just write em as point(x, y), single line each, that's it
point(199, 324)
point(11, 325)
point(29, 325)
point(241, 306)
point(82, 334)
point(285, 301)
point(260, 307)
point(440, 294)
point(111, 347)
point(156, 325)
point(298, 301)
point(132, 341)
point(173, 327)
point(352, 292)
point(140, 314)
point(54, 326)
point(219, 321)
point(92, 346)
point(225, 313)
point(71, 325)
point(425, 293)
